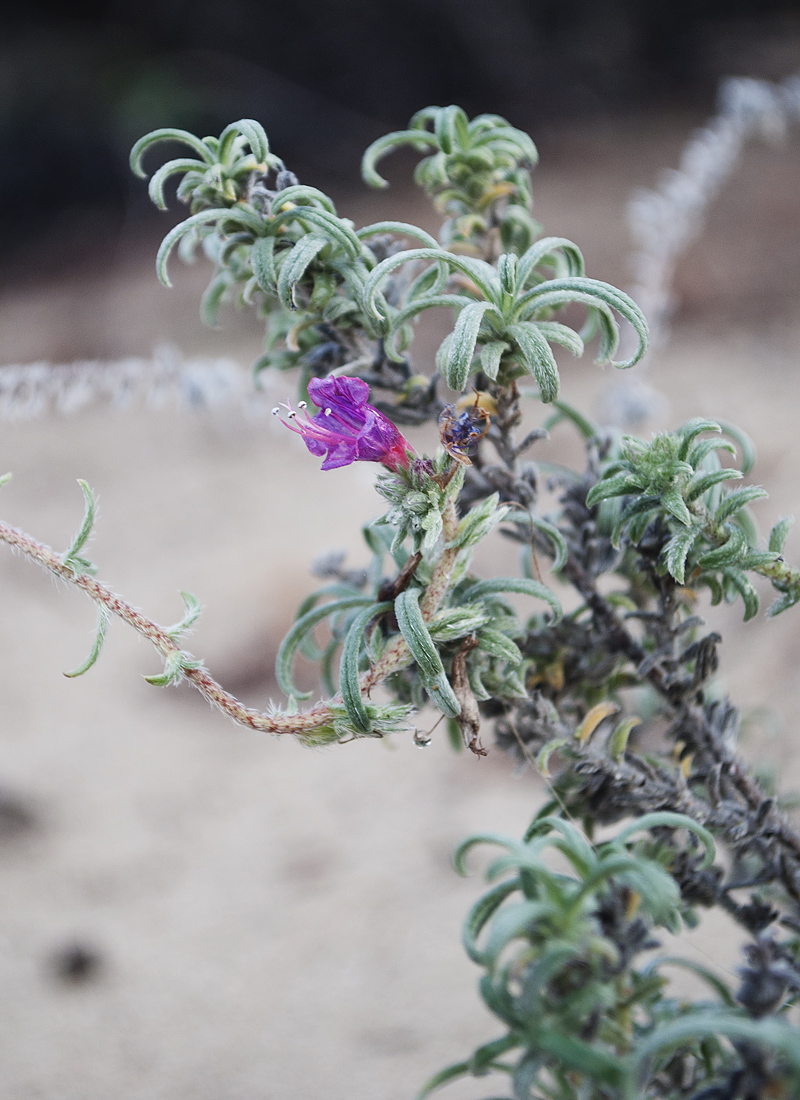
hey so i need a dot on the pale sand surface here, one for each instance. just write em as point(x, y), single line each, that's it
point(273, 922)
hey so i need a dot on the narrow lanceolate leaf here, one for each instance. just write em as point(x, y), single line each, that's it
point(538, 358)
point(262, 260)
point(746, 590)
point(254, 134)
point(563, 335)
point(478, 522)
point(676, 551)
point(462, 345)
point(72, 555)
point(291, 643)
point(103, 619)
point(674, 503)
point(497, 644)
point(193, 609)
point(523, 585)
point(777, 536)
point(166, 134)
point(593, 718)
point(618, 742)
point(491, 354)
point(349, 667)
point(295, 266)
point(422, 649)
point(619, 486)
point(155, 188)
point(734, 502)
point(174, 235)
point(481, 912)
point(732, 550)
point(699, 485)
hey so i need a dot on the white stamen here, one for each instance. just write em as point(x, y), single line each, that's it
point(291, 414)
point(328, 412)
point(276, 410)
point(302, 405)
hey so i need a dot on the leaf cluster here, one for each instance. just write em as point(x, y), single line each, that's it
point(673, 501)
point(561, 951)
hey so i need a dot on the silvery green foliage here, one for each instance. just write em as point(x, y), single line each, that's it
point(676, 484)
point(339, 298)
point(566, 955)
point(586, 1017)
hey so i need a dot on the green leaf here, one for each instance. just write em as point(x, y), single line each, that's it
point(746, 445)
point(732, 550)
point(745, 590)
point(523, 585)
point(777, 536)
point(357, 713)
point(497, 644)
point(619, 486)
point(295, 266)
point(193, 608)
point(103, 619)
point(734, 501)
point(672, 500)
point(555, 248)
point(478, 522)
point(462, 344)
point(175, 665)
point(403, 228)
point(689, 432)
point(290, 644)
point(676, 551)
point(671, 820)
point(253, 132)
point(586, 427)
point(701, 484)
point(425, 654)
point(491, 354)
point(166, 134)
point(538, 357)
point(156, 186)
point(72, 555)
point(378, 149)
point(480, 913)
point(262, 260)
point(174, 235)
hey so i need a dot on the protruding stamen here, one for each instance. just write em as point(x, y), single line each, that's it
point(276, 410)
point(302, 404)
point(328, 412)
point(291, 414)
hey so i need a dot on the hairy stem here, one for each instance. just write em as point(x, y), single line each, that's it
point(395, 657)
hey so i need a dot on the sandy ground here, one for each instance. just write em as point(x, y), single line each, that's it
point(192, 911)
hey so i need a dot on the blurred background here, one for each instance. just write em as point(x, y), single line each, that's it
point(191, 911)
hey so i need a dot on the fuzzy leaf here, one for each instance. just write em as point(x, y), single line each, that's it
point(357, 712)
point(295, 266)
point(523, 585)
point(425, 654)
point(777, 536)
point(538, 357)
point(676, 551)
point(462, 345)
point(103, 619)
point(292, 641)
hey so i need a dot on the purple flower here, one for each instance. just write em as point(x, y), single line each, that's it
point(347, 429)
